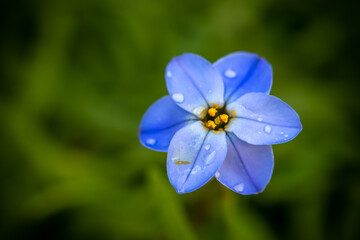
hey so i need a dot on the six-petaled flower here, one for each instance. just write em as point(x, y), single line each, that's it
point(219, 120)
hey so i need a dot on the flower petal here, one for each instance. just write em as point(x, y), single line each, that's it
point(262, 119)
point(247, 168)
point(160, 122)
point(193, 82)
point(194, 155)
point(244, 72)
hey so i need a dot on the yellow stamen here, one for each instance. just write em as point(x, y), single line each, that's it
point(224, 118)
point(217, 120)
point(210, 124)
point(212, 112)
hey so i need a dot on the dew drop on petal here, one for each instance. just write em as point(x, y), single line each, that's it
point(286, 135)
point(230, 73)
point(169, 74)
point(178, 97)
point(150, 141)
point(198, 110)
point(210, 158)
point(195, 169)
point(217, 174)
point(281, 132)
point(267, 129)
point(175, 157)
point(207, 146)
point(260, 119)
point(239, 187)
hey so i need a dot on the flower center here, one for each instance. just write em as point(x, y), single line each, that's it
point(216, 118)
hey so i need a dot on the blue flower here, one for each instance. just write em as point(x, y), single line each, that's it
point(219, 120)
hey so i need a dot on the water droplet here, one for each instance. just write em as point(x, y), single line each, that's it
point(210, 158)
point(178, 97)
point(217, 174)
point(267, 129)
point(198, 110)
point(286, 135)
point(169, 74)
point(230, 73)
point(260, 119)
point(175, 157)
point(239, 187)
point(207, 146)
point(281, 132)
point(150, 141)
point(259, 132)
point(195, 169)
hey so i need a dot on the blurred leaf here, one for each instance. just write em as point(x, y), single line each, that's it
point(241, 223)
point(173, 220)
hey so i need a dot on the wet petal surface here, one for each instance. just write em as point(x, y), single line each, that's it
point(194, 155)
point(244, 72)
point(160, 122)
point(247, 168)
point(262, 119)
point(193, 82)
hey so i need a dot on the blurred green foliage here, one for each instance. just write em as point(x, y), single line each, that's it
point(76, 77)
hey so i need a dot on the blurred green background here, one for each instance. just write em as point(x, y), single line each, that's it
point(76, 77)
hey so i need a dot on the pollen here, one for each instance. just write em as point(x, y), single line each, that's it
point(224, 118)
point(233, 113)
point(212, 112)
point(181, 162)
point(210, 124)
